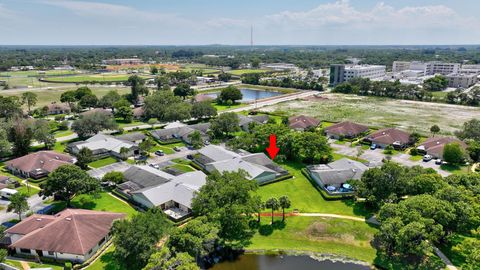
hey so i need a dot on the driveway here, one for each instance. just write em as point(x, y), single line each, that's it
point(35, 202)
point(184, 151)
point(375, 157)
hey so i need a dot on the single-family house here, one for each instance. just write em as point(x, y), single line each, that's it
point(173, 197)
point(72, 235)
point(150, 187)
point(399, 139)
point(103, 145)
point(97, 110)
point(181, 133)
point(58, 108)
point(333, 176)
point(134, 137)
point(6, 181)
point(302, 122)
point(39, 164)
point(246, 121)
point(434, 146)
point(258, 166)
point(345, 130)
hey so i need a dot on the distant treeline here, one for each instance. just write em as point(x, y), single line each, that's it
point(306, 84)
point(88, 57)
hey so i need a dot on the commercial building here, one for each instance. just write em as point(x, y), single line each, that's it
point(427, 68)
point(460, 80)
point(343, 73)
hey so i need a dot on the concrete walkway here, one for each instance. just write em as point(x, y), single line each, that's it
point(330, 216)
point(444, 259)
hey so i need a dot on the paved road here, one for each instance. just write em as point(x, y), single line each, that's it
point(35, 202)
point(283, 98)
point(376, 156)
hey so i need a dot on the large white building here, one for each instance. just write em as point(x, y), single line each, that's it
point(428, 68)
point(459, 80)
point(343, 73)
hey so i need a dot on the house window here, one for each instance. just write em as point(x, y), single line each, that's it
point(25, 250)
point(51, 253)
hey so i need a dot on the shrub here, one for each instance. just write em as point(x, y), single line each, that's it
point(68, 266)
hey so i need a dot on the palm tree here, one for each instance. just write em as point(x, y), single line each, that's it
point(284, 203)
point(273, 204)
point(260, 207)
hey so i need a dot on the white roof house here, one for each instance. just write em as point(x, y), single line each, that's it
point(102, 143)
point(258, 166)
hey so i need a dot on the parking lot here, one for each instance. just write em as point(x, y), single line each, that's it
point(375, 157)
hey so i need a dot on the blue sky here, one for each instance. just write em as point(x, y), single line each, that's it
point(276, 22)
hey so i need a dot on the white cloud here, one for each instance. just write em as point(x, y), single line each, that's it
point(341, 13)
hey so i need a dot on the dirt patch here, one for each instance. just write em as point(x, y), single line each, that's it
point(317, 229)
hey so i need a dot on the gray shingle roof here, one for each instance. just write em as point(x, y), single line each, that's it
point(132, 137)
point(140, 177)
point(338, 172)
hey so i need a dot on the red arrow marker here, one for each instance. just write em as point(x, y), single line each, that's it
point(273, 149)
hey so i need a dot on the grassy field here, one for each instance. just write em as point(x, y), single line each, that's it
point(102, 162)
point(239, 72)
point(222, 107)
point(381, 112)
point(46, 97)
point(18, 265)
point(306, 198)
point(106, 261)
point(37, 73)
point(100, 202)
point(92, 78)
point(317, 234)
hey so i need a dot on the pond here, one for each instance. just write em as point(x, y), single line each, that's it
point(250, 94)
point(271, 262)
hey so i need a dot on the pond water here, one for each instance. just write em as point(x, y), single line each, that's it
point(250, 94)
point(270, 262)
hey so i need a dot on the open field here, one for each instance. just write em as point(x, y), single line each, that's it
point(381, 112)
point(317, 234)
point(239, 72)
point(47, 96)
point(306, 198)
point(90, 78)
point(37, 73)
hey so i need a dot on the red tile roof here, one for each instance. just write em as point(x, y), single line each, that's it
point(302, 122)
point(58, 107)
point(435, 145)
point(346, 129)
point(73, 231)
point(389, 136)
point(45, 160)
point(138, 112)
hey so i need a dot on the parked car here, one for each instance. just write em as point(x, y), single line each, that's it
point(159, 153)
point(427, 158)
point(373, 146)
point(177, 149)
point(439, 162)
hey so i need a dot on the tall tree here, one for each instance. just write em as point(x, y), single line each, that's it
point(272, 204)
point(166, 259)
point(179, 112)
point(88, 101)
point(137, 85)
point(227, 199)
point(453, 153)
point(135, 238)
point(203, 109)
point(196, 139)
point(434, 129)
point(284, 202)
point(21, 136)
point(470, 130)
point(225, 124)
point(183, 90)
point(90, 124)
point(162, 82)
point(230, 93)
point(30, 99)
point(108, 100)
point(67, 181)
point(42, 133)
point(18, 204)
point(69, 97)
point(84, 156)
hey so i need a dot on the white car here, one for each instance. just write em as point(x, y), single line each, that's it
point(427, 158)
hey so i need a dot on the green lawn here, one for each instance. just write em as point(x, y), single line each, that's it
point(456, 258)
point(18, 265)
point(90, 78)
point(415, 158)
point(337, 156)
point(454, 168)
point(102, 162)
point(100, 202)
point(106, 261)
point(324, 235)
point(121, 123)
point(62, 133)
point(222, 107)
point(29, 191)
point(183, 168)
point(239, 72)
point(306, 198)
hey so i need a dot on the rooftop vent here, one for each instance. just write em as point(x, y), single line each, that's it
point(68, 219)
point(38, 219)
